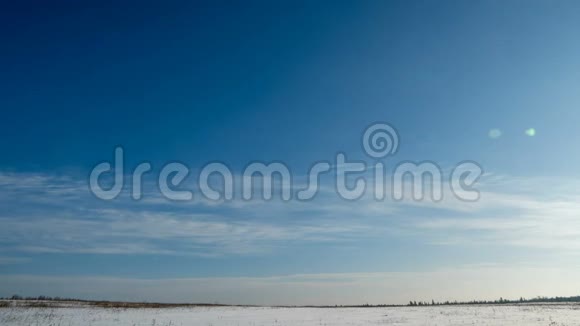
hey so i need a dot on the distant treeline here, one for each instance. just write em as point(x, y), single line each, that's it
point(411, 303)
point(499, 301)
point(107, 304)
point(40, 298)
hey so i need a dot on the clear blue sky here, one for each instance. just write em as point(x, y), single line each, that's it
point(294, 82)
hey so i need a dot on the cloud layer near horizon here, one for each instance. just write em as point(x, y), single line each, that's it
point(485, 282)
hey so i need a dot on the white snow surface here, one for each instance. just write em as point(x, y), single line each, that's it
point(71, 314)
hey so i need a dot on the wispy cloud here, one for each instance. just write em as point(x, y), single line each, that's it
point(544, 214)
point(12, 260)
point(45, 213)
point(146, 232)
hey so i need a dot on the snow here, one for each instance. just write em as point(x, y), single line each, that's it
point(86, 315)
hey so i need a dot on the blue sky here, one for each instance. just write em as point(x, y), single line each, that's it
point(294, 82)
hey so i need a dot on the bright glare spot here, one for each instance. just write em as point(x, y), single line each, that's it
point(531, 132)
point(494, 133)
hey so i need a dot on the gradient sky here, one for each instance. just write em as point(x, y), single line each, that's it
point(294, 82)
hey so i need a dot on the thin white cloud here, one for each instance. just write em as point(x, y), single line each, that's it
point(113, 231)
point(12, 260)
point(534, 221)
point(46, 213)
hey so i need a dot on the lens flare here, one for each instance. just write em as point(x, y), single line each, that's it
point(494, 133)
point(531, 132)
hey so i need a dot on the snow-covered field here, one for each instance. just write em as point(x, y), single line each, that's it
point(84, 315)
